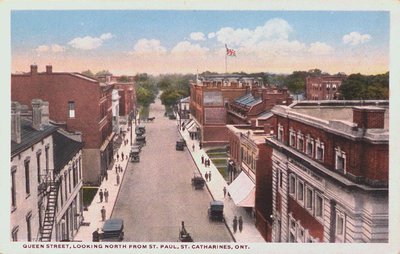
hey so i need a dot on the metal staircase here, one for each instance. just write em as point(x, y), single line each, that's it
point(48, 223)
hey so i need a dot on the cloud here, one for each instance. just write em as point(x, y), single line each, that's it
point(148, 46)
point(189, 49)
point(211, 35)
point(355, 38)
point(88, 42)
point(50, 48)
point(320, 48)
point(197, 36)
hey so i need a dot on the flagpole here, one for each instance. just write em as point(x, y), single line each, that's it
point(226, 63)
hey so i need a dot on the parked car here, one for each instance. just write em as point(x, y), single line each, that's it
point(113, 230)
point(216, 210)
point(180, 144)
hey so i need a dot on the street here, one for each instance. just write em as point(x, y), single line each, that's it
point(156, 193)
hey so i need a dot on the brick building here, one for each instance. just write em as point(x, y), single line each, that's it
point(330, 172)
point(209, 99)
point(255, 103)
point(324, 87)
point(78, 104)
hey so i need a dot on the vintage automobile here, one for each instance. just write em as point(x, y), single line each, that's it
point(184, 236)
point(198, 181)
point(216, 211)
point(172, 116)
point(140, 130)
point(180, 144)
point(113, 230)
point(134, 154)
point(141, 140)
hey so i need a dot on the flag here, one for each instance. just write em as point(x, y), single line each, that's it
point(230, 52)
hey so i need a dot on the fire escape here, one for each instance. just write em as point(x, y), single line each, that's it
point(48, 187)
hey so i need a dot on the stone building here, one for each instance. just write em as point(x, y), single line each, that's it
point(330, 172)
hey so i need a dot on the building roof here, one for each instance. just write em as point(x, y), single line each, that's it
point(257, 136)
point(248, 100)
point(65, 149)
point(30, 136)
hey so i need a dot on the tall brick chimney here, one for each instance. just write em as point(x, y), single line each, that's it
point(37, 114)
point(49, 69)
point(15, 122)
point(34, 69)
point(369, 117)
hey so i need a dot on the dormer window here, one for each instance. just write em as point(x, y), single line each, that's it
point(340, 160)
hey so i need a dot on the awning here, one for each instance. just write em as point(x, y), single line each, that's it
point(242, 191)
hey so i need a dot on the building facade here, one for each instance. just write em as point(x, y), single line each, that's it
point(330, 172)
point(31, 170)
point(209, 100)
point(78, 104)
point(323, 87)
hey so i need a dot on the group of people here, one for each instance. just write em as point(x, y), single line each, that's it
point(205, 161)
point(208, 176)
point(103, 195)
point(237, 222)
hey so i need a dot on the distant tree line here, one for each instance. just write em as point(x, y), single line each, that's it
point(365, 87)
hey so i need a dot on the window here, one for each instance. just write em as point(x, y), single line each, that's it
point(300, 191)
point(300, 235)
point(66, 186)
point(340, 160)
point(14, 234)
point(75, 174)
point(300, 142)
point(69, 179)
point(38, 165)
point(309, 198)
point(309, 146)
point(13, 189)
point(47, 158)
point(319, 202)
point(280, 178)
point(320, 150)
point(29, 227)
point(27, 180)
point(71, 109)
point(280, 133)
point(292, 184)
point(340, 226)
point(292, 139)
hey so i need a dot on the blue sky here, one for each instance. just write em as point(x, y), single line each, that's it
point(183, 41)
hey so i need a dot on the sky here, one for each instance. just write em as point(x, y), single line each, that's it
point(127, 42)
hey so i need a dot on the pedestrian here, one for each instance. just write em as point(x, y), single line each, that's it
point(206, 176)
point(116, 169)
point(117, 156)
point(209, 176)
point(122, 156)
point(240, 224)
point(106, 195)
point(126, 157)
point(200, 145)
point(224, 191)
point(106, 175)
point(202, 159)
point(96, 236)
point(235, 222)
point(208, 163)
point(103, 214)
point(120, 168)
point(193, 147)
point(101, 196)
point(118, 179)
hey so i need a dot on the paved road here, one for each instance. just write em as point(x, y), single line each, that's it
point(156, 193)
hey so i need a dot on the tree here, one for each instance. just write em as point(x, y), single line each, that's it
point(103, 73)
point(123, 78)
point(144, 96)
point(358, 86)
point(88, 73)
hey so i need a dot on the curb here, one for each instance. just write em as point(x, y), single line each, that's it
point(209, 191)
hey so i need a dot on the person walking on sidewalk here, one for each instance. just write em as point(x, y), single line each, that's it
point(117, 156)
point(193, 147)
point(96, 236)
point(101, 195)
point(206, 176)
point(106, 175)
point(103, 213)
point(240, 224)
point(106, 195)
point(224, 191)
point(209, 176)
point(122, 156)
point(202, 159)
point(235, 222)
point(118, 179)
point(116, 169)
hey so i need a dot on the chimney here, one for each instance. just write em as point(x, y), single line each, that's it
point(34, 69)
point(15, 122)
point(49, 69)
point(37, 114)
point(45, 113)
point(369, 117)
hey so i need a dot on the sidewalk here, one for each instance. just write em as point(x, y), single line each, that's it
point(93, 214)
point(249, 233)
